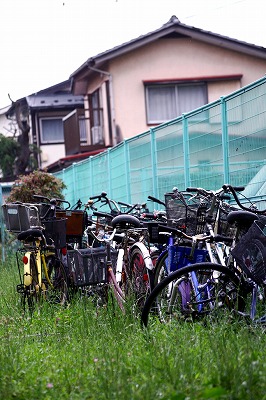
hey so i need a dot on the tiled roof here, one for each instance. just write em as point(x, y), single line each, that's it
point(174, 27)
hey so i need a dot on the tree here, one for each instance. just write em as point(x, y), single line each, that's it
point(9, 149)
point(37, 182)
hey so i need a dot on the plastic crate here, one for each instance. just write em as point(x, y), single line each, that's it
point(75, 221)
point(20, 217)
point(55, 232)
point(250, 252)
point(88, 266)
point(181, 257)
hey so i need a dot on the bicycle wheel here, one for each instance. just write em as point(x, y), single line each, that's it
point(160, 271)
point(55, 287)
point(31, 290)
point(196, 292)
point(140, 279)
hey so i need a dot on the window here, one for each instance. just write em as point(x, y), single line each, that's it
point(96, 113)
point(82, 129)
point(52, 130)
point(168, 101)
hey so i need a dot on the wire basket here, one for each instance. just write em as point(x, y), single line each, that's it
point(250, 252)
point(20, 217)
point(190, 218)
point(88, 266)
point(224, 228)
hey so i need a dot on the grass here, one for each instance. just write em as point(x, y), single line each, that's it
point(80, 352)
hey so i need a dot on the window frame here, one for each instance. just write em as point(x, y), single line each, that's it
point(175, 85)
point(41, 119)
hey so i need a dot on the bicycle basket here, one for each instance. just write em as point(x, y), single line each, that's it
point(181, 257)
point(250, 252)
point(224, 228)
point(20, 217)
point(189, 218)
point(75, 221)
point(55, 232)
point(88, 266)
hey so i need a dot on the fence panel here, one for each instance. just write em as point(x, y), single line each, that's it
point(222, 142)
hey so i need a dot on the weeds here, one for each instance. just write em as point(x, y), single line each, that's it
point(84, 352)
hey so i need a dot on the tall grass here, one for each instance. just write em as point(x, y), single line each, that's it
point(84, 352)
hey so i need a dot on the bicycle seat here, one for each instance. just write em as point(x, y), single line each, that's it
point(242, 218)
point(30, 234)
point(125, 221)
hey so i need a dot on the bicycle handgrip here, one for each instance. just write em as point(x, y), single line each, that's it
point(95, 197)
point(156, 200)
point(192, 189)
point(102, 214)
point(236, 188)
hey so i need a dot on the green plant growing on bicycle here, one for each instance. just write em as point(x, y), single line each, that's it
point(37, 182)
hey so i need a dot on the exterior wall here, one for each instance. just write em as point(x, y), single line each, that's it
point(51, 153)
point(173, 59)
point(7, 127)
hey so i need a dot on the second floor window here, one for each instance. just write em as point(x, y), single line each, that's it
point(168, 101)
point(52, 130)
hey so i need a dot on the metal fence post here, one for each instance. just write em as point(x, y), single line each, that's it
point(154, 164)
point(186, 151)
point(127, 171)
point(225, 143)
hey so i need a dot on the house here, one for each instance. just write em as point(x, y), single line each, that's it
point(48, 113)
point(160, 75)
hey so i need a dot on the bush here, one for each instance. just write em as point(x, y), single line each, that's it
point(38, 182)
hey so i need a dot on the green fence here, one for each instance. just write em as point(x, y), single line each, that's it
point(222, 142)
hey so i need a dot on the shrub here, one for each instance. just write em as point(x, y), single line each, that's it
point(37, 182)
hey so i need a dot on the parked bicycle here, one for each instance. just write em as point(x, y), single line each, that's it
point(39, 259)
point(197, 289)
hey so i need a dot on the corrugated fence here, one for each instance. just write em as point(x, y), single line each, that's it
point(222, 142)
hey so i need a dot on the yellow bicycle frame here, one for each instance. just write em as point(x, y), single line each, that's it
point(40, 259)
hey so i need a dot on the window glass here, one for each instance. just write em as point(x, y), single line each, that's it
point(166, 102)
point(52, 130)
point(82, 129)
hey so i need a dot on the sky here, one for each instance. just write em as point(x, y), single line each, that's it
point(42, 42)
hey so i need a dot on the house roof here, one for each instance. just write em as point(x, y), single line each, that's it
point(172, 29)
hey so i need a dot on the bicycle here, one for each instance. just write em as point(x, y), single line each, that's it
point(205, 288)
point(41, 271)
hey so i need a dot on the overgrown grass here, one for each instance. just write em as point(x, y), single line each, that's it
point(80, 352)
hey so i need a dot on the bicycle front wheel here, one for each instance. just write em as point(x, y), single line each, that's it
point(195, 292)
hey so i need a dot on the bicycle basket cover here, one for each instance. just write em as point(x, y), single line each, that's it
point(250, 252)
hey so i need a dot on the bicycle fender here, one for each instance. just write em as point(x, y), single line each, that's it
point(146, 254)
point(27, 275)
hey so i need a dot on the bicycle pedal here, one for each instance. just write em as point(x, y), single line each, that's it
point(20, 288)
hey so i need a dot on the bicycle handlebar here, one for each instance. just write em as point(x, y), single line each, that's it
point(232, 189)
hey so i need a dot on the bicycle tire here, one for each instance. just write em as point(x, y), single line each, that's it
point(140, 279)
point(58, 292)
point(226, 292)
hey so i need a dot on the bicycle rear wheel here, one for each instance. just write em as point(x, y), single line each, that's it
point(195, 292)
point(140, 280)
point(55, 287)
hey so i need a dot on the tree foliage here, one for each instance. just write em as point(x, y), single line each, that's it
point(37, 182)
point(9, 149)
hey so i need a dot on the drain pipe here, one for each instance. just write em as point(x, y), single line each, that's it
point(110, 104)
